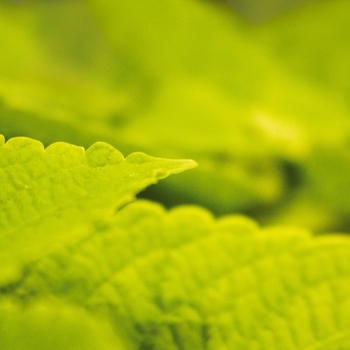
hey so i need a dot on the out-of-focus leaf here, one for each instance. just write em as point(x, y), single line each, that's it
point(53, 326)
point(227, 95)
point(183, 79)
point(313, 44)
point(258, 11)
point(327, 177)
point(56, 69)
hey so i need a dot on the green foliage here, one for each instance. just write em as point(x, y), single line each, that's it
point(185, 79)
point(319, 33)
point(53, 326)
point(263, 109)
point(58, 188)
point(147, 277)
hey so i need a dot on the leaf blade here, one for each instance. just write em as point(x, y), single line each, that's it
point(186, 280)
point(58, 189)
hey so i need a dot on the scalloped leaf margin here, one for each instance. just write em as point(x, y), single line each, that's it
point(48, 195)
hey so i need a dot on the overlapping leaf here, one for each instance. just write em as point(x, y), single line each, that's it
point(47, 195)
point(183, 280)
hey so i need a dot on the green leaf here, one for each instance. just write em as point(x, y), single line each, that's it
point(54, 326)
point(239, 110)
point(179, 39)
point(186, 79)
point(184, 280)
point(49, 194)
point(69, 76)
point(318, 31)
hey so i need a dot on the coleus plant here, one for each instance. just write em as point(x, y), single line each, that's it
point(83, 265)
point(187, 79)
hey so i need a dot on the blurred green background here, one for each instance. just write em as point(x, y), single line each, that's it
point(257, 92)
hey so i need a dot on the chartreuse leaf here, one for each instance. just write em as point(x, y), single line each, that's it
point(48, 195)
point(184, 280)
point(186, 39)
point(185, 79)
point(53, 326)
point(317, 30)
point(68, 78)
point(257, 119)
point(172, 43)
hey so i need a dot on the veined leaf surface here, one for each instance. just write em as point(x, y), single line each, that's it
point(48, 195)
point(184, 280)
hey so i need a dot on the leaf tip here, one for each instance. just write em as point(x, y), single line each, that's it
point(165, 166)
point(185, 164)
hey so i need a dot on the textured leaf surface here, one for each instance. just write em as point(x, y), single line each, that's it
point(47, 195)
point(183, 280)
